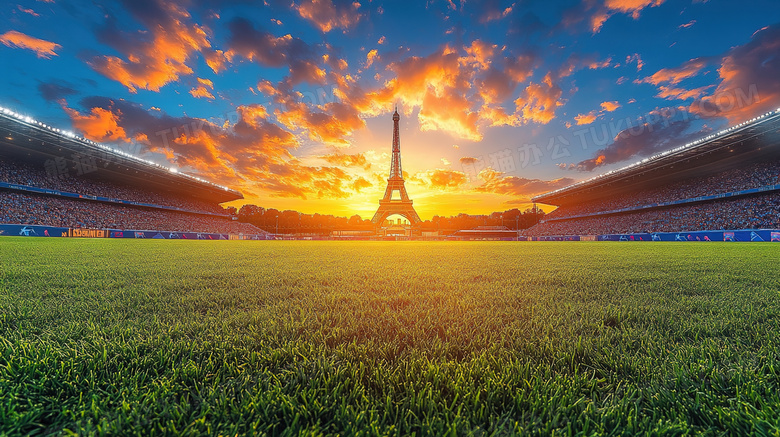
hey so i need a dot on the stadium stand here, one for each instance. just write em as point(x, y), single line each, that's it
point(728, 181)
point(17, 172)
point(20, 208)
point(734, 180)
point(756, 212)
point(50, 177)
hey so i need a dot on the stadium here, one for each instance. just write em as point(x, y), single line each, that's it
point(208, 227)
point(54, 183)
point(725, 187)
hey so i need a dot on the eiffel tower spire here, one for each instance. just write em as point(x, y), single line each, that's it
point(389, 206)
point(395, 164)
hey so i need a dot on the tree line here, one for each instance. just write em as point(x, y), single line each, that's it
point(294, 222)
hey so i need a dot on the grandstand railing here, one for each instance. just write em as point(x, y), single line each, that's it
point(731, 235)
point(38, 190)
point(22, 230)
point(743, 235)
point(764, 189)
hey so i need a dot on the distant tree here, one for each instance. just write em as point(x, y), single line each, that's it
point(250, 213)
point(290, 221)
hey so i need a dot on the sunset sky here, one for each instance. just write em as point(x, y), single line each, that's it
point(290, 101)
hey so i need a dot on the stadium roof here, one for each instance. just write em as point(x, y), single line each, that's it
point(54, 141)
point(664, 162)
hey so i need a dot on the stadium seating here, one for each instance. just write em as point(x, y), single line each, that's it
point(21, 208)
point(18, 172)
point(754, 212)
point(636, 211)
point(750, 176)
point(28, 208)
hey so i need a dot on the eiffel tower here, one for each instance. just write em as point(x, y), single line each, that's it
point(389, 206)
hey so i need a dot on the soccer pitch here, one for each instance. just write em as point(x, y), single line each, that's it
point(123, 337)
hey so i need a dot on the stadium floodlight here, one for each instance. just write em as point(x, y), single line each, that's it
point(74, 136)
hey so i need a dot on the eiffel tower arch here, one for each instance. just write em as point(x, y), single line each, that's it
point(395, 183)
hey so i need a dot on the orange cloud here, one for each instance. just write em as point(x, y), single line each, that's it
point(457, 90)
point(610, 106)
point(331, 124)
point(359, 183)
point(326, 15)
point(370, 57)
point(493, 11)
point(217, 60)
point(28, 11)
point(441, 179)
point(449, 113)
point(203, 90)
point(687, 25)
point(251, 154)
point(648, 139)
point(301, 59)
point(42, 48)
point(672, 93)
point(748, 79)
point(495, 182)
point(440, 84)
point(636, 58)
point(266, 87)
point(587, 118)
point(519, 68)
point(592, 116)
point(674, 76)
point(480, 53)
point(99, 125)
point(497, 116)
point(152, 63)
point(575, 63)
point(538, 102)
point(345, 160)
point(595, 65)
point(440, 72)
point(597, 21)
point(633, 7)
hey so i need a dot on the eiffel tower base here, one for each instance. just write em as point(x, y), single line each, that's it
point(399, 207)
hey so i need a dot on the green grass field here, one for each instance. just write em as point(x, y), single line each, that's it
point(130, 337)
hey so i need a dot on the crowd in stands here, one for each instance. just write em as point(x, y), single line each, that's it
point(16, 172)
point(752, 212)
point(33, 209)
point(751, 176)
